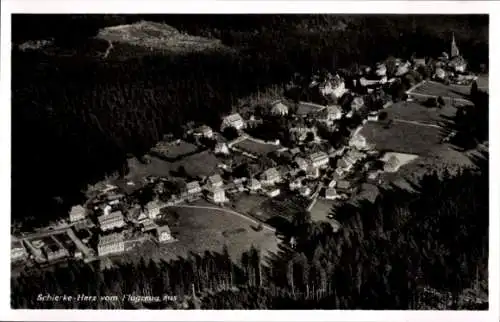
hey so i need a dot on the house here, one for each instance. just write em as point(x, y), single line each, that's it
point(358, 141)
point(254, 185)
point(278, 108)
point(305, 191)
point(17, 251)
point(221, 148)
point(270, 177)
point(417, 62)
point(234, 120)
point(381, 70)
point(153, 209)
point(319, 159)
point(458, 64)
point(334, 87)
point(111, 244)
point(372, 116)
point(193, 187)
point(164, 234)
point(357, 103)
point(273, 192)
point(440, 74)
point(111, 221)
point(344, 164)
point(312, 172)
point(392, 165)
point(339, 173)
point(217, 195)
point(330, 114)
point(332, 183)
point(204, 131)
point(372, 175)
point(301, 163)
point(294, 151)
point(295, 184)
point(331, 194)
point(215, 181)
point(77, 213)
point(344, 186)
point(148, 225)
point(402, 69)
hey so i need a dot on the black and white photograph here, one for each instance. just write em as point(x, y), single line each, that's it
point(249, 161)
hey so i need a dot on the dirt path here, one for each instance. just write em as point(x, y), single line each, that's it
point(417, 123)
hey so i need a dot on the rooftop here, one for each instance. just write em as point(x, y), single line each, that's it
point(111, 238)
point(112, 216)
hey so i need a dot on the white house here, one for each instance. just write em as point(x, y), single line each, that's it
point(335, 87)
point(273, 192)
point(153, 209)
point(440, 74)
point(332, 184)
point(193, 187)
point(319, 159)
point(357, 103)
point(330, 114)
point(215, 181)
point(295, 184)
point(301, 163)
point(254, 185)
point(270, 177)
point(111, 221)
point(305, 191)
point(110, 244)
point(381, 70)
point(331, 194)
point(373, 116)
point(217, 195)
point(221, 148)
point(164, 234)
point(234, 120)
point(17, 250)
point(312, 172)
point(358, 141)
point(278, 108)
point(77, 213)
point(204, 131)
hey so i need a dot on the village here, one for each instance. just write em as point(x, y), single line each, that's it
point(262, 163)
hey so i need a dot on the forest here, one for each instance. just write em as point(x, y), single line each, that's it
point(76, 118)
point(442, 232)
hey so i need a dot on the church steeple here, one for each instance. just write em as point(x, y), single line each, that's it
point(454, 48)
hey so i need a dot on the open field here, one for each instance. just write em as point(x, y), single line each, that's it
point(402, 137)
point(156, 36)
point(199, 164)
point(438, 89)
point(173, 150)
point(322, 208)
point(413, 111)
point(198, 230)
point(255, 147)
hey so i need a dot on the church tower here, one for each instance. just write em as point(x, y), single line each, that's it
point(454, 48)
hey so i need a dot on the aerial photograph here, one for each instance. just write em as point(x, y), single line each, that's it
point(249, 161)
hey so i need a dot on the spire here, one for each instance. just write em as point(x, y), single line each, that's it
point(454, 48)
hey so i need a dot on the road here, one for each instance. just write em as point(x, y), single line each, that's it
point(227, 211)
point(418, 123)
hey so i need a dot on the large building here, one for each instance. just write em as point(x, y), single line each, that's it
point(111, 244)
point(270, 176)
point(17, 251)
point(153, 209)
point(217, 195)
point(193, 187)
point(77, 213)
point(111, 221)
point(234, 120)
point(319, 159)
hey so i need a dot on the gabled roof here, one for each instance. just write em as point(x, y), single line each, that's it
point(235, 117)
point(272, 172)
point(343, 184)
point(215, 179)
point(111, 238)
point(192, 185)
point(162, 229)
